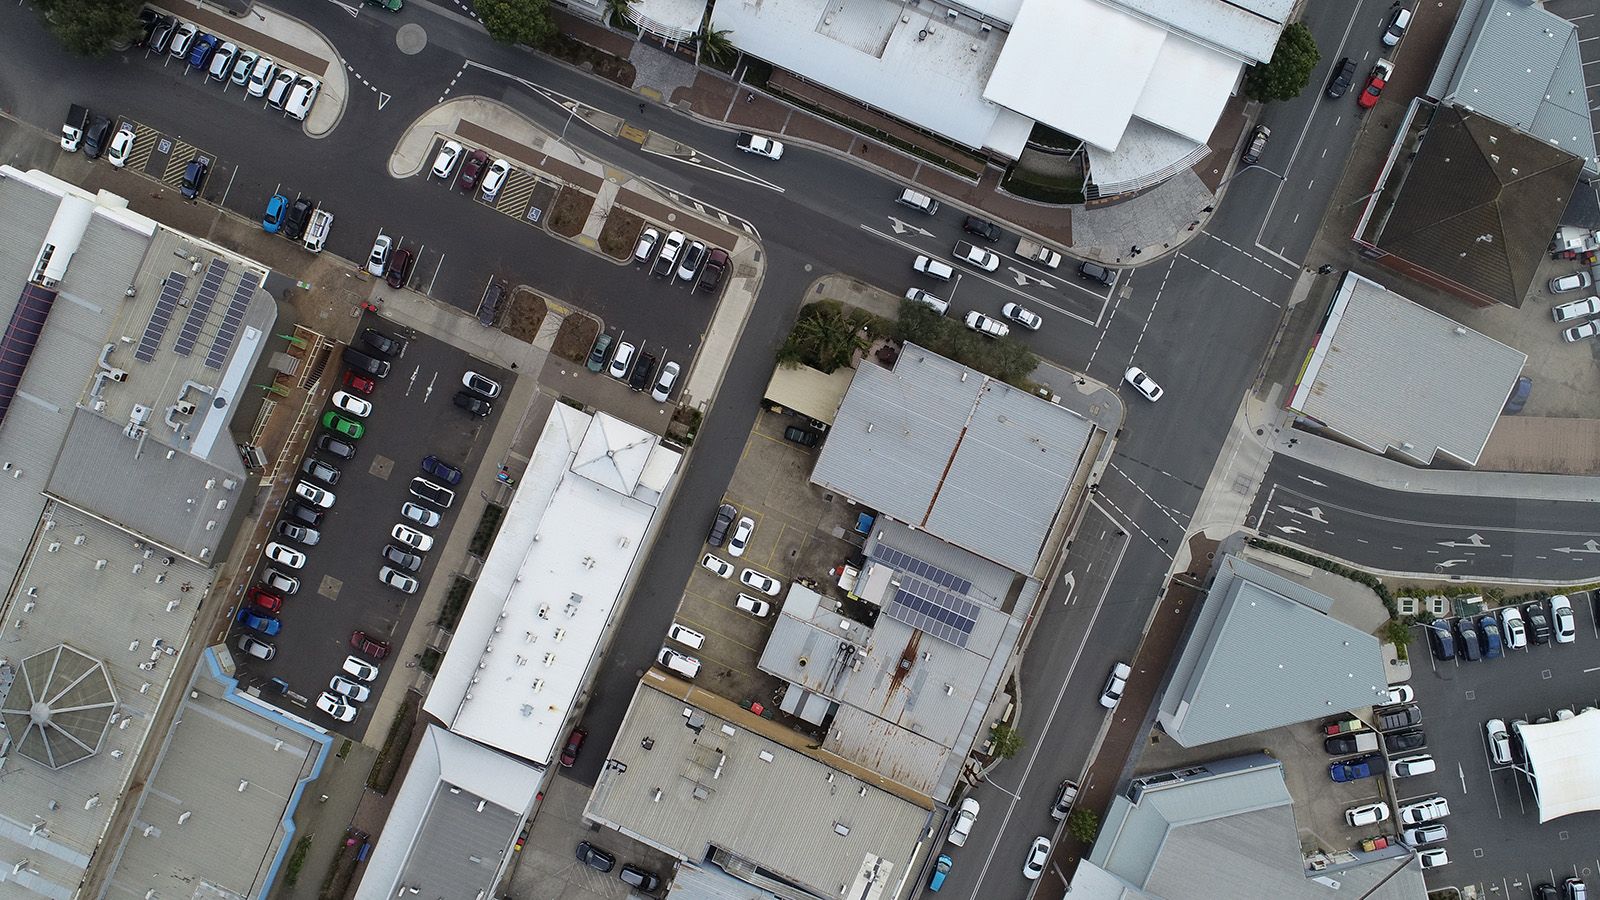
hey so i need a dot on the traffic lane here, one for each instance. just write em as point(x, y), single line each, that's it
point(339, 588)
point(1493, 814)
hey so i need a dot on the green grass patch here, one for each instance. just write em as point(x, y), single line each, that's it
point(487, 527)
point(387, 766)
point(297, 860)
point(1044, 188)
point(454, 602)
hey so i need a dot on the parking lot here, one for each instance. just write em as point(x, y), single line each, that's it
point(413, 415)
point(1496, 841)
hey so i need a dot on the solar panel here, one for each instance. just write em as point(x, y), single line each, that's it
point(161, 316)
point(203, 298)
point(908, 563)
point(20, 339)
point(243, 293)
point(928, 598)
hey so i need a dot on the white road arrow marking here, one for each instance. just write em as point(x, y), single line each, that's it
point(1314, 513)
point(903, 227)
point(1473, 540)
point(383, 99)
point(1588, 547)
point(1462, 774)
point(1024, 279)
point(1070, 582)
point(1451, 563)
point(1290, 529)
point(1312, 480)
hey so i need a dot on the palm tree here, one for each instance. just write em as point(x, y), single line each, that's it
point(617, 12)
point(715, 43)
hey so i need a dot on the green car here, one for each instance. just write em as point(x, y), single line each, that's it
point(335, 422)
point(390, 5)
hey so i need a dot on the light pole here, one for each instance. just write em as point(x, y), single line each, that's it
point(1243, 169)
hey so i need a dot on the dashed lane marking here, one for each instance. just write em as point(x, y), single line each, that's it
point(454, 78)
point(1131, 523)
point(1153, 501)
point(1237, 248)
point(1233, 281)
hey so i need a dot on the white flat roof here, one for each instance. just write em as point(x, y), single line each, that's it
point(571, 536)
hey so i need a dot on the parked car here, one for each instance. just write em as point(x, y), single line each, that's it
point(1581, 331)
point(1538, 622)
point(935, 303)
point(494, 179)
point(1519, 396)
point(599, 353)
point(760, 146)
point(264, 600)
point(1021, 315)
point(1256, 146)
point(1425, 810)
point(1401, 741)
point(401, 559)
point(256, 647)
point(694, 256)
point(369, 646)
point(1467, 632)
point(1376, 81)
point(1577, 309)
point(357, 406)
point(472, 403)
point(933, 268)
point(400, 269)
point(983, 228)
point(1561, 612)
point(272, 219)
point(429, 492)
point(1355, 768)
point(281, 582)
point(1143, 383)
point(332, 446)
point(1426, 834)
point(643, 879)
point(1575, 281)
point(221, 67)
point(941, 869)
point(410, 537)
point(1396, 28)
point(1489, 632)
point(569, 753)
point(378, 259)
point(359, 669)
point(421, 515)
point(985, 325)
point(716, 565)
point(294, 226)
point(304, 514)
point(1516, 632)
point(475, 163)
point(359, 383)
point(161, 34)
point(755, 606)
point(1344, 75)
point(1116, 684)
point(1395, 718)
point(262, 76)
point(977, 257)
point(643, 371)
point(346, 687)
point(716, 266)
point(594, 857)
point(382, 343)
point(961, 825)
point(243, 65)
point(766, 584)
point(397, 579)
point(443, 471)
point(1400, 693)
point(121, 146)
point(720, 523)
point(621, 362)
point(1366, 814)
point(96, 136)
point(1499, 741)
point(667, 259)
point(284, 554)
point(805, 437)
point(194, 177)
point(182, 40)
point(283, 81)
point(338, 424)
point(1433, 859)
point(255, 621)
point(200, 52)
point(444, 162)
point(1038, 856)
point(303, 534)
point(646, 248)
point(740, 540)
point(339, 708)
point(1444, 644)
point(1097, 273)
point(662, 390)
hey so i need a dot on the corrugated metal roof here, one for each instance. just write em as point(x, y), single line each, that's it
point(1246, 28)
point(945, 448)
point(1262, 655)
point(1390, 374)
point(1519, 64)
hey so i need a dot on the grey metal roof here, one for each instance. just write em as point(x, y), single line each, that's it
point(1215, 827)
point(453, 822)
point(1263, 654)
point(1392, 375)
point(686, 791)
point(945, 448)
point(1245, 28)
point(1519, 64)
point(60, 706)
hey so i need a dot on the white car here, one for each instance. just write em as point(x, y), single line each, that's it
point(285, 554)
point(421, 515)
point(754, 606)
point(664, 382)
point(766, 584)
point(412, 538)
point(717, 565)
point(1426, 810)
point(1116, 683)
point(961, 826)
point(282, 83)
point(986, 326)
point(1401, 693)
point(1433, 859)
point(494, 179)
point(1577, 309)
point(1561, 612)
point(481, 384)
point(397, 579)
point(344, 687)
point(646, 248)
point(318, 497)
point(243, 65)
point(261, 76)
point(1427, 834)
point(1021, 315)
point(378, 259)
point(760, 146)
point(976, 256)
point(1515, 631)
point(1579, 332)
point(1038, 855)
point(1143, 383)
point(741, 536)
point(222, 61)
point(445, 162)
point(1577, 281)
point(182, 39)
point(937, 304)
point(621, 361)
point(121, 146)
point(338, 707)
point(1499, 741)
point(280, 582)
point(1367, 814)
point(350, 403)
point(359, 668)
point(933, 268)
point(667, 259)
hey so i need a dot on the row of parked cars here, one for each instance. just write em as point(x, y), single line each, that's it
point(303, 220)
point(1574, 310)
point(1489, 635)
point(1395, 732)
point(690, 260)
point(225, 61)
point(633, 366)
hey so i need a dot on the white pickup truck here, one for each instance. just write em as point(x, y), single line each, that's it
point(1039, 253)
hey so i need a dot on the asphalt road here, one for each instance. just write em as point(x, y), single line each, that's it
point(1444, 534)
point(1197, 319)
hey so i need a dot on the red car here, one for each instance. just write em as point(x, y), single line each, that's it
point(265, 599)
point(369, 646)
point(400, 268)
point(569, 754)
point(470, 171)
point(360, 383)
point(1381, 71)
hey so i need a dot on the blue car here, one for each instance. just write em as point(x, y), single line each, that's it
point(1444, 644)
point(200, 54)
point(1353, 769)
point(941, 868)
point(267, 625)
point(1471, 650)
point(274, 215)
point(443, 471)
point(1489, 628)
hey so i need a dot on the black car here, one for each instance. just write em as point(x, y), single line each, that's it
point(726, 513)
point(1444, 643)
point(1097, 273)
point(1395, 718)
point(1469, 640)
point(1343, 744)
point(1256, 146)
point(148, 20)
point(805, 437)
point(382, 343)
point(716, 267)
point(366, 365)
point(489, 306)
point(95, 137)
point(332, 446)
point(983, 228)
point(304, 514)
point(643, 371)
point(400, 558)
point(1344, 75)
point(320, 470)
point(1401, 741)
point(1538, 622)
point(595, 858)
point(400, 268)
point(639, 878)
point(194, 176)
point(1519, 396)
point(472, 404)
point(294, 227)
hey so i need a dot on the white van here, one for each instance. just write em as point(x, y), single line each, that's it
point(686, 636)
point(679, 663)
point(938, 304)
point(1407, 766)
point(933, 268)
point(317, 231)
point(918, 201)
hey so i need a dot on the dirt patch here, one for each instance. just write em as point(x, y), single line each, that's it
point(620, 233)
point(523, 319)
point(572, 210)
point(576, 336)
point(594, 59)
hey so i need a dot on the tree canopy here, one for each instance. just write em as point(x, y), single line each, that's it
point(1289, 71)
point(91, 27)
point(517, 21)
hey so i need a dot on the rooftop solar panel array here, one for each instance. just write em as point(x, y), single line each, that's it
point(21, 338)
point(243, 292)
point(927, 597)
point(161, 316)
point(927, 571)
point(203, 299)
